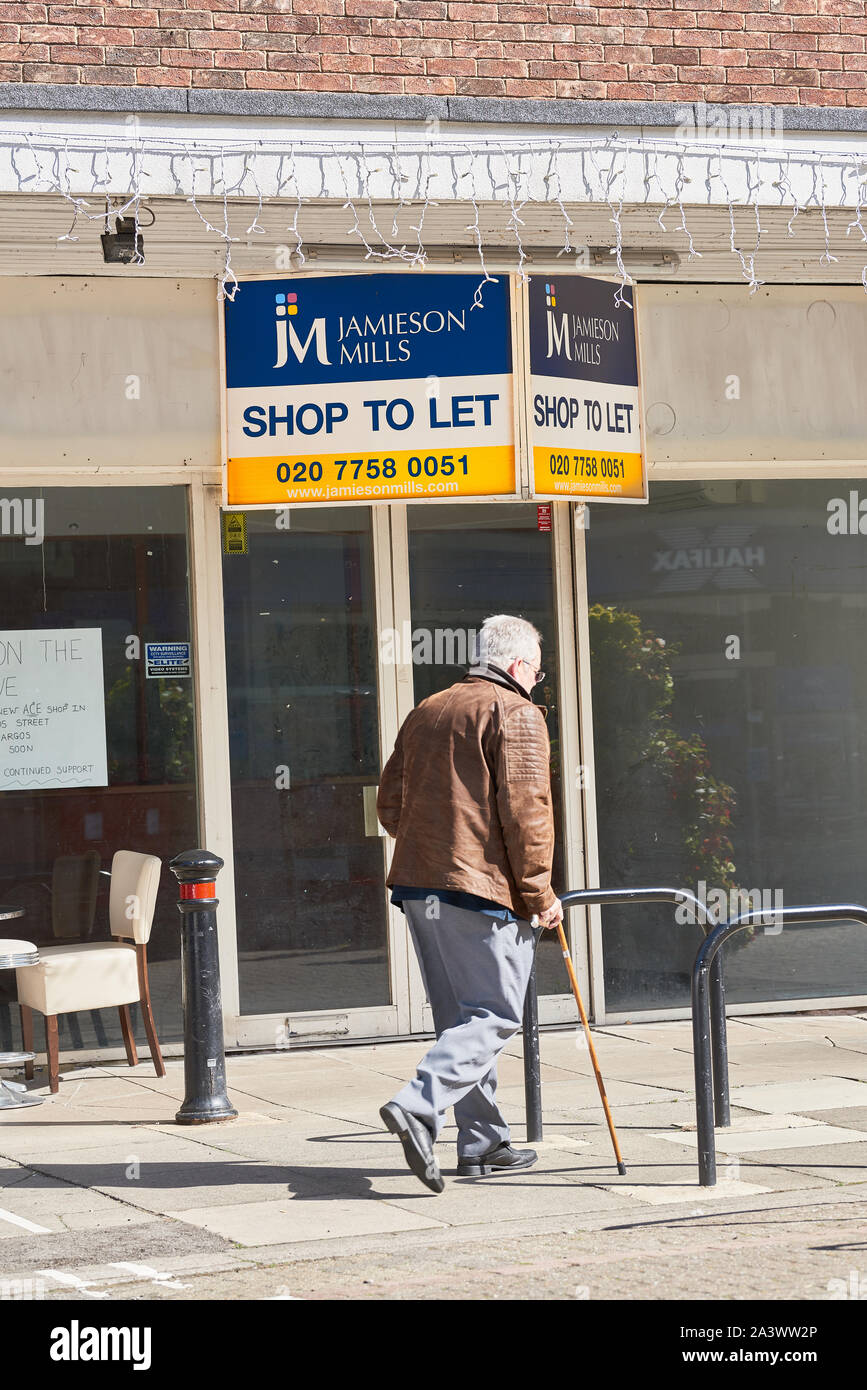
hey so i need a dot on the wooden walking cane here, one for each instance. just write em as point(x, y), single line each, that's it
point(621, 1166)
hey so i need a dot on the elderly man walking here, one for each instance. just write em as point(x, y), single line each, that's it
point(467, 796)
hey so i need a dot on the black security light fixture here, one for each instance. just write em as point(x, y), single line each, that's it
point(125, 245)
point(120, 246)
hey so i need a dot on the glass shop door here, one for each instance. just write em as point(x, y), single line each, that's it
point(311, 718)
point(464, 563)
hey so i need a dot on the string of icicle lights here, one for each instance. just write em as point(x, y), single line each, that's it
point(415, 173)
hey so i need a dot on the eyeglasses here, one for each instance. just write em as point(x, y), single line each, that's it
point(537, 675)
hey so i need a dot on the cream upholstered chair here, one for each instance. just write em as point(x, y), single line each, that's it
point(99, 974)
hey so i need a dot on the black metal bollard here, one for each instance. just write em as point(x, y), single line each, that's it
point(719, 1044)
point(205, 1095)
point(702, 1052)
point(532, 1061)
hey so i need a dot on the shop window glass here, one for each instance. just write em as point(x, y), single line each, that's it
point(729, 677)
point(112, 559)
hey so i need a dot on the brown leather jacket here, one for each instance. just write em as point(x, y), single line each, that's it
point(467, 795)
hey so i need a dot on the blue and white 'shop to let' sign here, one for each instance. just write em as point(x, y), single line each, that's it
point(368, 388)
point(585, 431)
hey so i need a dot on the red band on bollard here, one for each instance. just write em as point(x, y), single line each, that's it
point(198, 890)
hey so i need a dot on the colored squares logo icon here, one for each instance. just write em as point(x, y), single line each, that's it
point(550, 297)
point(285, 304)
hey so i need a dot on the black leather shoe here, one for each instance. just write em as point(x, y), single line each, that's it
point(417, 1142)
point(498, 1160)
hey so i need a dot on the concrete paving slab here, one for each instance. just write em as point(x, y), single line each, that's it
point(133, 1109)
point(57, 1104)
point(340, 1055)
point(560, 1143)
point(332, 1108)
point(669, 1070)
point(271, 1097)
point(848, 1117)
point(775, 1177)
point(211, 1131)
point(45, 1141)
point(105, 1089)
point(276, 1125)
point(308, 1092)
point(811, 1053)
point(381, 1074)
point(205, 1179)
point(315, 1156)
point(671, 1193)
point(629, 1118)
point(813, 1094)
point(172, 1084)
point(544, 1191)
point(793, 1026)
point(167, 1149)
point(290, 1220)
point(567, 1049)
point(14, 1224)
point(378, 1056)
point(670, 1033)
point(39, 1197)
point(851, 1043)
point(848, 1062)
point(57, 1206)
point(659, 1158)
point(846, 1164)
point(581, 1093)
point(11, 1174)
point(731, 1141)
point(750, 1122)
point(762, 1073)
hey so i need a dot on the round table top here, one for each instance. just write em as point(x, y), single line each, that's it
point(8, 912)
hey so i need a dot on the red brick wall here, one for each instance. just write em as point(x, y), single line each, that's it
point(809, 52)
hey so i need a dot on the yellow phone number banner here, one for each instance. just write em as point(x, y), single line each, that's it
point(281, 479)
point(587, 473)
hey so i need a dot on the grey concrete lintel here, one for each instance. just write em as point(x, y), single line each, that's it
point(26, 96)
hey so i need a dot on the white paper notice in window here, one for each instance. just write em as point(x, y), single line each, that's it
point(52, 709)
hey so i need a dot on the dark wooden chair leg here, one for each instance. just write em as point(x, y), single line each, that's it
point(52, 1047)
point(128, 1039)
point(147, 1012)
point(27, 1037)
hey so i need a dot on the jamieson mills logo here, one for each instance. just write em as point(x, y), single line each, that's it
point(361, 339)
point(577, 336)
point(286, 307)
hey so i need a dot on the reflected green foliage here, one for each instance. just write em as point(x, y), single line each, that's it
point(642, 762)
point(176, 732)
point(168, 754)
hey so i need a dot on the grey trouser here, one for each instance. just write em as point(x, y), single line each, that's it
point(475, 971)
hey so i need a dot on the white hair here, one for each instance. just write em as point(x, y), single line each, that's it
point(504, 639)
